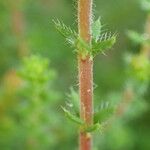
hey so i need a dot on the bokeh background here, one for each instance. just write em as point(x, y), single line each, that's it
point(33, 89)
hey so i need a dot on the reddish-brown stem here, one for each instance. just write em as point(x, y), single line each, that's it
point(86, 99)
point(85, 66)
point(18, 29)
point(11, 79)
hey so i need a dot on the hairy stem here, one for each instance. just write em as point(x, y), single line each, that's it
point(86, 94)
point(85, 67)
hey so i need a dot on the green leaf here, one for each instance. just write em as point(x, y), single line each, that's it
point(140, 67)
point(35, 69)
point(104, 112)
point(72, 117)
point(83, 48)
point(73, 97)
point(69, 34)
point(106, 42)
point(136, 37)
point(83, 45)
point(145, 5)
point(100, 42)
point(92, 128)
point(96, 29)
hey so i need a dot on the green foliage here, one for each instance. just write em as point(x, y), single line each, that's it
point(139, 64)
point(73, 100)
point(137, 107)
point(32, 117)
point(35, 70)
point(138, 38)
point(72, 117)
point(105, 42)
point(81, 123)
point(140, 67)
point(92, 128)
point(104, 111)
point(145, 5)
point(36, 101)
point(100, 42)
point(96, 29)
point(124, 133)
point(69, 34)
point(73, 105)
point(83, 48)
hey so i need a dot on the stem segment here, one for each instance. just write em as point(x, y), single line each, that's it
point(85, 67)
point(86, 98)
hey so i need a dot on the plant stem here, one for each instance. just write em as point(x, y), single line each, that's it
point(86, 96)
point(18, 27)
point(85, 67)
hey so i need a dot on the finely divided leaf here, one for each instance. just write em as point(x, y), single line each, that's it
point(100, 42)
point(74, 98)
point(104, 112)
point(67, 32)
point(72, 117)
point(103, 44)
point(96, 29)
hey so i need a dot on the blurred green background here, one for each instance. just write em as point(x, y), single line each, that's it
point(33, 89)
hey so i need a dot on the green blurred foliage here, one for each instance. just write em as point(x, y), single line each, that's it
point(30, 100)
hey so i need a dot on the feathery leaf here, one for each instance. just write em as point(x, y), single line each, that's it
point(72, 117)
point(104, 112)
point(105, 42)
point(69, 34)
point(96, 29)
